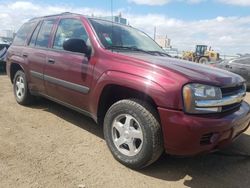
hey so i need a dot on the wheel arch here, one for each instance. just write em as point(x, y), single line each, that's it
point(114, 86)
point(14, 67)
point(112, 93)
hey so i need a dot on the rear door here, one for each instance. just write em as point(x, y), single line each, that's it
point(68, 74)
point(17, 52)
point(36, 54)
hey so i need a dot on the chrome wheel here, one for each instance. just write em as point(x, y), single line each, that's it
point(20, 87)
point(127, 135)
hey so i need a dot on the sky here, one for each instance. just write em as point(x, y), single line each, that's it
point(222, 24)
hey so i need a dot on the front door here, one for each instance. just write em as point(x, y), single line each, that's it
point(67, 74)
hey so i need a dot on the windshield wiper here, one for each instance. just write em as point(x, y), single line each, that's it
point(134, 48)
point(160, 53)
point(130, 48)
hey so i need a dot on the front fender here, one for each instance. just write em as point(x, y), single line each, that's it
point(141, 84)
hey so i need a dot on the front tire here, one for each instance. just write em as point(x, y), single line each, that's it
point(203, 60)
point(133, 133)
point(21, 90)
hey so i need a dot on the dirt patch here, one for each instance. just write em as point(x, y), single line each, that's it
point(47, 145)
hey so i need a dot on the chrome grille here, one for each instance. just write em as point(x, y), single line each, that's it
point(228, 91)
point(232, 91)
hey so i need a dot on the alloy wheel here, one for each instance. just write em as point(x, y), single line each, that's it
point(127, 135)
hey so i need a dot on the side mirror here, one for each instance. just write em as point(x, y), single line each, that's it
point(77, 45)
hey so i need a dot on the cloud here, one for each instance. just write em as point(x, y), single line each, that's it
point(236, 2)
point(150, 2)
point(228, 35)
point(13, 15)
point(22, 5)
point(162, 2)
point(194, 1)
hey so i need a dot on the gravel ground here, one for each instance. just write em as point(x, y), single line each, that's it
point(47, 145)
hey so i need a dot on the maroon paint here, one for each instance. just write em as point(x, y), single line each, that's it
point(161, 78)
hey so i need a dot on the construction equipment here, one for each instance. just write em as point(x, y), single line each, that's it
point(201, 55)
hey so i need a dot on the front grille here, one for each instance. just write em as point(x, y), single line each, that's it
point(230, 91)
point(231, 107)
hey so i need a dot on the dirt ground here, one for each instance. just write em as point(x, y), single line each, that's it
point(47, 145)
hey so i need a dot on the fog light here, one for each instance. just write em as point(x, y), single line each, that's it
point(214, 138)
point(209, 138)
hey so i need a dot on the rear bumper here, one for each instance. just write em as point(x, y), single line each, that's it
point(186, 135)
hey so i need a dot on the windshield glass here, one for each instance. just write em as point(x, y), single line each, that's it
point(116, 35)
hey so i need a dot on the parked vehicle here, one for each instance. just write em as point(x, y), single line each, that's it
point(201, 55)
point(146, 101)
point(240, 65)
point(3, 52)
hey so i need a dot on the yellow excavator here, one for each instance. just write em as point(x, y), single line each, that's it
point(201, 55)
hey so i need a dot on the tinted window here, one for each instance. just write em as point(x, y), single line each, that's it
point(69, 29)
point(117, 35)
point(44, 33)
point(23, 33)
point(34, 36)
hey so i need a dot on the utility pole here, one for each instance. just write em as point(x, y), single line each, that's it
point(154, 32)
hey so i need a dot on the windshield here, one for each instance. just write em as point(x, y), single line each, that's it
point(116, 36)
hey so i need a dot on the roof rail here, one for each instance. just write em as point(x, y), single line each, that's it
point(60, 14)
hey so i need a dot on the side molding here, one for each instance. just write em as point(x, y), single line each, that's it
point(63, 83)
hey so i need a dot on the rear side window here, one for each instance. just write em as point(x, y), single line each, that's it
point(69, 29)
point(34, 36)
point(44, 33)
point(23, 33)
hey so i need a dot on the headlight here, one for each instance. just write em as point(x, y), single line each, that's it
point(192, 93)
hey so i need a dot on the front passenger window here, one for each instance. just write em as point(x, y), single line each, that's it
point(69, 29)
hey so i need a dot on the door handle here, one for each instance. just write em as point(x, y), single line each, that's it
point(51, 61)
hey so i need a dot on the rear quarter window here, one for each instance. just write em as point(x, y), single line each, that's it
point(23, 33)
point(34, 35)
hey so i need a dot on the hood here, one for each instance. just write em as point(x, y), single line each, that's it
point(194, 72)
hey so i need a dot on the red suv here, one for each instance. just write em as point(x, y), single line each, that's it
point(146, 101)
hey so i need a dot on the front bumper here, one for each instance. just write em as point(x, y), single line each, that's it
point(186, 135)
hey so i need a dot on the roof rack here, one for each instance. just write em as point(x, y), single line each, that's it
point(60, 14)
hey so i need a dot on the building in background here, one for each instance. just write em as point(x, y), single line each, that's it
point(117, 19)
point(163, 41)
point(6, 36)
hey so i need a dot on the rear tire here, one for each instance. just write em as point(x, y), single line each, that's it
point(21, 91)
point(133, 133)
